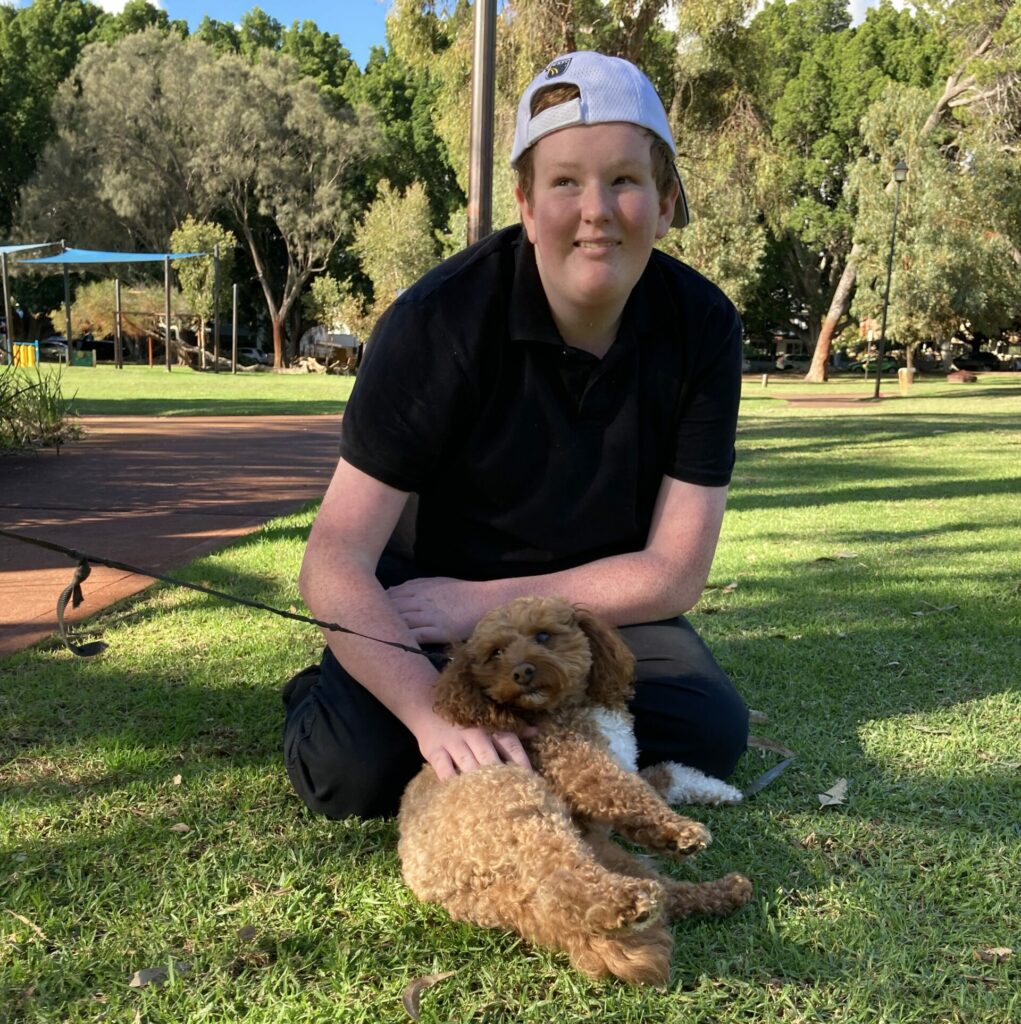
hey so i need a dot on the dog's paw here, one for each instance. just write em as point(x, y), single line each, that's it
point(690, 837)
point(738, 889)
point(637, 904)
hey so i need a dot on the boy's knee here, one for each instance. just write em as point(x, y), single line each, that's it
point(340, 777)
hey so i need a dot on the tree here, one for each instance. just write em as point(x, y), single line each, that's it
point(121, 171)
point(985, 37)
point(197, 276)
point(395, 240)
point(39, 45)
point(280, 160)
point(954, 265)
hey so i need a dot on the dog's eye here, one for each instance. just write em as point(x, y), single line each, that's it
point(542, 637)
point(493, 655)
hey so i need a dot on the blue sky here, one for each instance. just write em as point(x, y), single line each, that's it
point(360, 24)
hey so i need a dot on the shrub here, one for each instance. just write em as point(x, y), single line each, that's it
point(33, 412)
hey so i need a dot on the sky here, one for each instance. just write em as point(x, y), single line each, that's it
point(360, 24)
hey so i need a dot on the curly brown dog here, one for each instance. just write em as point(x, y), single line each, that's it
point(531, 851)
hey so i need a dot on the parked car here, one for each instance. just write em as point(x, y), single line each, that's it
point(793, 363)
point(757, 364)
point(869, 365)
point(53, 350)
point(976, 361)
point(252, 357)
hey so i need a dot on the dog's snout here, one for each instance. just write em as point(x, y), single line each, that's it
point(524, 673)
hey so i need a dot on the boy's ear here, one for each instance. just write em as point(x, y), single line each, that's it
point(527, 214)
point(459, 699)
point(613, 665)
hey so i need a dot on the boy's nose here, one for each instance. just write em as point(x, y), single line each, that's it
point(595, 203)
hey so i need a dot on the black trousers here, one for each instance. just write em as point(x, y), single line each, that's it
point(346, 754)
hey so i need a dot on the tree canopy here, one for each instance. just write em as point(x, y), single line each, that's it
point(121, 129)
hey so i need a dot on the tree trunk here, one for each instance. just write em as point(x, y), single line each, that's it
point(278, 342)
point(817, 372)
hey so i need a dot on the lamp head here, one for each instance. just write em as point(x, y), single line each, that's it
point(900, 172)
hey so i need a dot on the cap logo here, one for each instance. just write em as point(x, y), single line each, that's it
point(558, 67)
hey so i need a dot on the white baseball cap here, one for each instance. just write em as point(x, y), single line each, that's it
point(611, 89)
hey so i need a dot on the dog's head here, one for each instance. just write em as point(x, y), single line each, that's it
point(531, 656)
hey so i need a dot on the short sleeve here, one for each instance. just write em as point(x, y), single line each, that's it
point(410, 390)
point(711, 394)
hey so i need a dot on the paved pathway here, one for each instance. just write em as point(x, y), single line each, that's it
point(153, 492)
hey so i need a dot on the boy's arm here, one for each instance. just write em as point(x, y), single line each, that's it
point(339, 584)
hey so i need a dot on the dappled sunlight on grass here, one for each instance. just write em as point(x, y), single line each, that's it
point(865, 597)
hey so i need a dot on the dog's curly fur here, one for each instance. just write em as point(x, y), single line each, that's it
point(531, 851)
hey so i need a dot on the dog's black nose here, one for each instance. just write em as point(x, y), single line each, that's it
point(523, 674)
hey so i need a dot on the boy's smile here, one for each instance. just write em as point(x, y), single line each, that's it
point(593, 216)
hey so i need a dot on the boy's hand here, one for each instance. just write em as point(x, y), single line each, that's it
point(435, 609)
point(452, 750)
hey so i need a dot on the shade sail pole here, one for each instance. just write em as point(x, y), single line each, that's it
point(7, 309)
point(67, 302)
point(480, 166)
point(166, 296)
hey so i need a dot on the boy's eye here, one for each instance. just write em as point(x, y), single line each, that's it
point(542, 637)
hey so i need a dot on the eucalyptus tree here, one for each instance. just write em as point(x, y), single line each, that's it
point(120, 171)
point(955, 260)
point(280, 160)
point(982, 72)
point(39, 45)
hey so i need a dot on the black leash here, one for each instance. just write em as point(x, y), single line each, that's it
point(73, 593)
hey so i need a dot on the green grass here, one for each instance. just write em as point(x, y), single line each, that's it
point(141, 391)
point(875, 619)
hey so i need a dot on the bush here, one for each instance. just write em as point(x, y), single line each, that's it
point(33, 413)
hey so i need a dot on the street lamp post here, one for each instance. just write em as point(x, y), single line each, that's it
point(900, 173)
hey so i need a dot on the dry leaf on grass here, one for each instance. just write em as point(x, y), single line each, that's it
point(180, 827)
point(996, 955)
point(157, 976)
point(836, 794)
point(758, 717)
point(176, 780)
point(28, 924)
point(412, 995)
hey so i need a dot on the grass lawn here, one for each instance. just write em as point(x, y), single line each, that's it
point(147, 822)
point(141, 391)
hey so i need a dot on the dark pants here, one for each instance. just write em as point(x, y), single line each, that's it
point(346, 754)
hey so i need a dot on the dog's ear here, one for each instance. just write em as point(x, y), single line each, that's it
point(459, 699)
point(613, 665)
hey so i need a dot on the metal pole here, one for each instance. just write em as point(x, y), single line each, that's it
point(166, 292)
point(216, 308)
point(7, 309)
point(118, 360)
point(480, 166)
point(67, 308)
point(234, 330)
point(886, 295)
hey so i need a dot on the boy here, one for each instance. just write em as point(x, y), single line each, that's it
point(562, 401)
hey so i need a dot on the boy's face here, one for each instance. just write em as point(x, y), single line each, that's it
point(593, 215)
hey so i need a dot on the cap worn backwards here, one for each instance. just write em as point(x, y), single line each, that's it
point(610, 89)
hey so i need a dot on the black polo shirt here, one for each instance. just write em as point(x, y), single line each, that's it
point(529, 456)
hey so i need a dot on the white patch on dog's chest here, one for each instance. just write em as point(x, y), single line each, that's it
point(617, 728)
